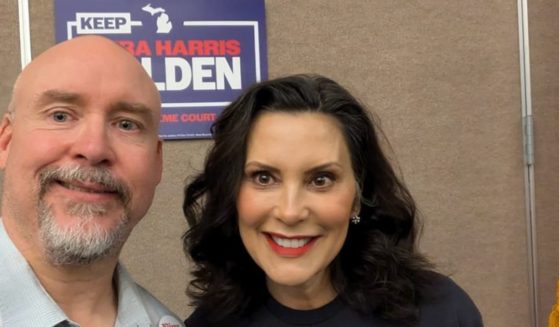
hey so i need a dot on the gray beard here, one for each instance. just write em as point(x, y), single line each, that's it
point(85, 242)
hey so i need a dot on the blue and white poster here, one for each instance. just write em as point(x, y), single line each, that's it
point(200, 53)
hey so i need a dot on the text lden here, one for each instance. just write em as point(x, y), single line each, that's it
point(200, 73)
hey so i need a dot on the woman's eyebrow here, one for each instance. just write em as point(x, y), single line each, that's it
point(260, 165)
point(325, 166)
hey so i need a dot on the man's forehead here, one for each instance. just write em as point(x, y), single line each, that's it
point(77, 69)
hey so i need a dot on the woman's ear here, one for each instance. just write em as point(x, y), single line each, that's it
point(356, 206)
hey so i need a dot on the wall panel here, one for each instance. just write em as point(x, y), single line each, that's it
point(544, 47)
point(9, 55)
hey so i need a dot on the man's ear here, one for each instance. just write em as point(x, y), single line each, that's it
point(6, 126)
point(159, 160)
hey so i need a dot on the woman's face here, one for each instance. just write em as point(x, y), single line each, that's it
point(295, 201)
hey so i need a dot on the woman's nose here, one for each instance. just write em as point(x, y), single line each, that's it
point(292, 207)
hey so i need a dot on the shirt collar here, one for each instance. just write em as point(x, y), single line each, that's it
point(131, 309)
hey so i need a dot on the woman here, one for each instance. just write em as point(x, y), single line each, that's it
point(299, 219)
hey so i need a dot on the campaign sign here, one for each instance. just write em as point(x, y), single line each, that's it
point(200, 53)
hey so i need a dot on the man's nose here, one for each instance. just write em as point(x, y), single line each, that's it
point(93, 143)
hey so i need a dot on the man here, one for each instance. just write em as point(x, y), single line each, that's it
point(81, 159)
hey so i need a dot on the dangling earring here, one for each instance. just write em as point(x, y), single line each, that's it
point(355, 219)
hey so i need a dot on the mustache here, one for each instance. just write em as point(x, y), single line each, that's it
point(97, 175)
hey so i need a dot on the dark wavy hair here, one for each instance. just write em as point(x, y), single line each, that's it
point(378, 269)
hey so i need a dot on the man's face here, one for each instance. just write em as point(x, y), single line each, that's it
point(81, 153)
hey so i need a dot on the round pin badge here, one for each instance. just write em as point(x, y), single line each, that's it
point(169, 321)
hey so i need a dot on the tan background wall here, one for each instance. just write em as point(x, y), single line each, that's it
point(444, 79)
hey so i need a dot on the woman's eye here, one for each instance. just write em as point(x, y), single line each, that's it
point(127, 125)
point(60, 116)
point(322, 181)
point(263, 178)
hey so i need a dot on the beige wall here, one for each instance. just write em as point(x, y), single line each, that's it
point(444, 79)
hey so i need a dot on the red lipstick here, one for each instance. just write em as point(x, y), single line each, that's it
point(290, 252)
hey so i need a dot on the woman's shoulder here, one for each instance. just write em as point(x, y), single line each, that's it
point(445, 303)
point(199, 318)
point(203, 318)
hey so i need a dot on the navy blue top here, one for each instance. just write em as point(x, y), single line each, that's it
point(449, 306)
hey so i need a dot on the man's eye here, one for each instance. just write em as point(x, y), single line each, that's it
point(127, 125)
point(60, 116)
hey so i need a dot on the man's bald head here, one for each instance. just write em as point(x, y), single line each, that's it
point(79, 56)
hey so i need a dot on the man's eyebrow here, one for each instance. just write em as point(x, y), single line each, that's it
point(57, 95)
point(135, 108)
point(50, 96)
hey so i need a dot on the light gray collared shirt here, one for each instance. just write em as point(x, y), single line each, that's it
point(25, 303)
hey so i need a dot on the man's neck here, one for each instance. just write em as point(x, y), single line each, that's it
point(86, 294)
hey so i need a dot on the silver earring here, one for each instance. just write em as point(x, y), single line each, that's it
point(355, 219)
